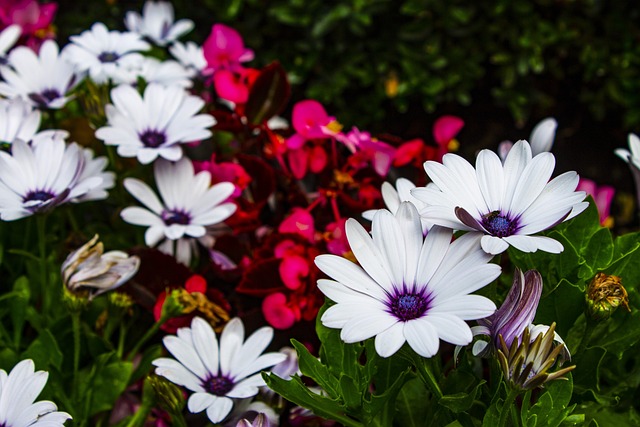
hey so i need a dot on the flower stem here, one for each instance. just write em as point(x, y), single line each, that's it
point(151, 332)
point(586, 337)
point(44, 273)
point(75, 323)
point(506, 407)
point(140, 416)
point(426, 375)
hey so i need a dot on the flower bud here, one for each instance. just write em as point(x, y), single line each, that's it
point(90, 272)
point(604, 295)
point(168, 395)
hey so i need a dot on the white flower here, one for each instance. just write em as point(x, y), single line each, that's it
point(156, 23)
point(507, 203)
point(44, 79)
point(152, 70)
point(392, 198)
point(154, 124)
point(542, 137)
point(94, 167)
point(189, 202)
point(191, 56)
point(632, 157)
point(407, 288)
point(18, 390)
point(37, 177)
point(18, 120)
point(217, 373)
point(8, 37)
point(102, 53)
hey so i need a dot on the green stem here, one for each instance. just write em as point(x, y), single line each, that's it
point(140, 416)
point(506, 407)
point(44, 274)
point(588, 332)
point(75, 323)
point(151, 332)
point(177, 420)
point(427, 377)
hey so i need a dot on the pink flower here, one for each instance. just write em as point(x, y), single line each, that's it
point(336, 237)
point(602, 195)
point(445, 130)
point(224, 49)
point(417, 152)
point(225, 172)
point(234, 85)
point(368, 150)
point(311, 121)
point(299, 222)
point(278, 312)
point(34, 19)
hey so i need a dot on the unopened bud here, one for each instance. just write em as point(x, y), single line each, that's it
point(604, 295)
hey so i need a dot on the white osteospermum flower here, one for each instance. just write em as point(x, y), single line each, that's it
point(95, 167)
point(542, 137)
point(217, 373)
point(102, 53)
point(393, 197)
point(191, 56)
point(18, 390)
point(189, 202)
point(507, 203)
point(152, 70)
point(156, 23)
point(632, 157)
point(18, 120)
point(44, 79)
point(37, 177)
point(8, 37)
point(154, 124)
point(406, 288)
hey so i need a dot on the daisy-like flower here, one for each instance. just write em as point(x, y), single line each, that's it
point(18, 390)
point(542, 138)
point(633, 159)
point(156, 23)
point(407, 288)
point(393, 197)
point(154, 124)
point(37, 177)
point(44, 79)
point(506, 203)
point(8, 37)
point(152, 70)
point(189, 202)
point(101, 52)
point(217, 372)
point(18, 120)
point(191, 56)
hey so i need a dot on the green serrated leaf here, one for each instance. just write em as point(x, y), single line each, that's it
point(108, 379)
point(598, 254)
point(552, 406)
point(412, 404)
point(313, 368)
point(44, 351)
point(296, 391)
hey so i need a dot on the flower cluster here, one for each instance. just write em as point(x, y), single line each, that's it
point(224, 214)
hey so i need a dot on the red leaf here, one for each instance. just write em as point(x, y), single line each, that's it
point(268, 95)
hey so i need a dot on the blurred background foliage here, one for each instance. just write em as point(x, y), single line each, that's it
point(395, 66)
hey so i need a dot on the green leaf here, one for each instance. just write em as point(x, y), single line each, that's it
point(44, 351)
point(460, 391)
point(552, 407)
point(586, 376)
point(296, 392)
point(411, 404)
point(597, 254)
point(563, 305)
point(18, 307)
point(107, 380)
point(313, 368)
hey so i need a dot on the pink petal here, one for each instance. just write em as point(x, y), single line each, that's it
point(446, 128)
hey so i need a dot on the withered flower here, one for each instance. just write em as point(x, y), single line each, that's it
point(528, 363)
point(604, 295)
point(89, 271)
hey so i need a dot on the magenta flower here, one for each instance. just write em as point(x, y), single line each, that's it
point(602, 195)
point(311, 121)
point(225, 172)
point(368, 150)
point(299, 222)
point(33, 18)
point(445, 130)
point(224, 49)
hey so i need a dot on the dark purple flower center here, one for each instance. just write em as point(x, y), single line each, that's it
point(45, 97)
point(40, 196)
point(108, 57)
point(409, 306)
point(499, 225)
point(153, 138)
point(176, 217)
point(218, 386)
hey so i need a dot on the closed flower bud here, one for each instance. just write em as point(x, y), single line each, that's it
point(604, 295)
point(90, 272)
point(168, 395)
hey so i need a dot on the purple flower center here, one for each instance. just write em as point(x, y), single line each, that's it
point(409, 306)
point(499, 225)
point(45, 97)
point(176, 217)
point(108, 57)
point(218, 386)
point(38, 196)
point(153, 138)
